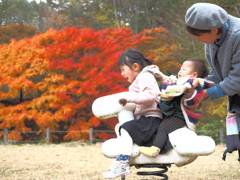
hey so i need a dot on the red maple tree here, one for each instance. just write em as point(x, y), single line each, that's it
point(52, 79)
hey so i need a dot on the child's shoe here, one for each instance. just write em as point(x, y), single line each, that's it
point(118, 168)
point(152, 151)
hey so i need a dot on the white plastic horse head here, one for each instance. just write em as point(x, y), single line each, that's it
point(187, 145)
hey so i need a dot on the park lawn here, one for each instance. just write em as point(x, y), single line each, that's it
point(78, 161)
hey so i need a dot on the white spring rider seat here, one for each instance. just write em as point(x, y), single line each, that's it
point(187, 145)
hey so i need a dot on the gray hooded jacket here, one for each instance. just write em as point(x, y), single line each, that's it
point(225, 61)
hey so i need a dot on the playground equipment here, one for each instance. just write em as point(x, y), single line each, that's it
point(187, 145)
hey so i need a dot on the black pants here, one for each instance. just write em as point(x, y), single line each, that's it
point(142, 130)
point(168, 125)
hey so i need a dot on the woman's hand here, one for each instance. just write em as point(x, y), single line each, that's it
point(205, 95)
point(194, 85)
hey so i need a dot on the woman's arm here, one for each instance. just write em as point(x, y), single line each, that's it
point(193, 98)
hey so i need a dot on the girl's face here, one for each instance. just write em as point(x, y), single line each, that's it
point(128, 73)
point(209, 38)
point(186, 70)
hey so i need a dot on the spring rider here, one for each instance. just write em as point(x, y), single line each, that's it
point(187, 145)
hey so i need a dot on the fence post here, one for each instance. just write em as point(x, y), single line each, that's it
point(91, 135)
point(5, 137)
point(221, 135)
point(47, 135)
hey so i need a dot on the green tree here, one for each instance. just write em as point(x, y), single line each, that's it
point(16, 11)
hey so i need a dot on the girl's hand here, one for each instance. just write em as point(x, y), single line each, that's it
point(122, 101)
point(156, 72)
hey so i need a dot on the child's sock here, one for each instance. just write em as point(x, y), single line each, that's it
point(122, 157)
point(152, 151)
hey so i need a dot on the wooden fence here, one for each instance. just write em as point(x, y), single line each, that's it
point(48, 134)
point(91, 132)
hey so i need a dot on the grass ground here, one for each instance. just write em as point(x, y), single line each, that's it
point(74, 161)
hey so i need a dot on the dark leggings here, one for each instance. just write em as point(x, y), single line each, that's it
point(168, 125)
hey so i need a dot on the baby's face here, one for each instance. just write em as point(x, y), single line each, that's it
point(186, 69)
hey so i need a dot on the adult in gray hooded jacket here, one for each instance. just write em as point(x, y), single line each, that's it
point(220, 32)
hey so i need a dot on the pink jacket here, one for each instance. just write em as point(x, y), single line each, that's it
point(145, 93)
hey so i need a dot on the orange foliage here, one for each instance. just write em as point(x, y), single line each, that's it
point(162, 49)
point(54, 77)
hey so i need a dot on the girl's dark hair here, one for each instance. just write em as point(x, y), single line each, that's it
point(199, 66)
point(131, 56)
point(198, 32)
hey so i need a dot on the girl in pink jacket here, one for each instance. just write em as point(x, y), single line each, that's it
point(145, 93)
